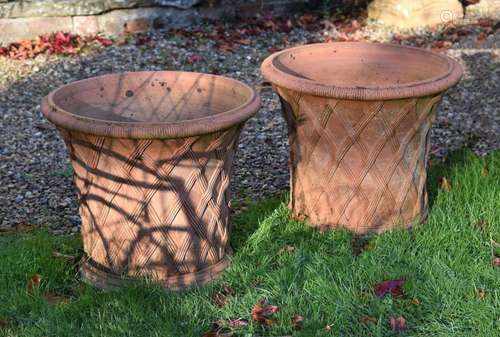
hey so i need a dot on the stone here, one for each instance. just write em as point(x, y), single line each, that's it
point(483, 9)
point(23, 28)
point(136, 20)
point(85, 25)
point(415, 13)
point(36, 8)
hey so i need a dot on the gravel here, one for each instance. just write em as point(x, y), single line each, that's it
point(35, 176)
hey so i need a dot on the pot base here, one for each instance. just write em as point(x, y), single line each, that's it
point(418, 220)
point(97, 277)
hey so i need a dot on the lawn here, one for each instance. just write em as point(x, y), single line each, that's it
point(451, 284)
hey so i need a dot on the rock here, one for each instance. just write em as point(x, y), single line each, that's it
point(483, 9)
point(415, 13)
point(37, 8)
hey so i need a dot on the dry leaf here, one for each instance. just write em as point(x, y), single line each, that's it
point(485, 171)
point(480, 294)
point(297, 321)
point(366, 319)
point(56, 298)
point(63, 256)
point(398, 323)
point(6, 322)
point(261, 313)
point(234, 323)
point(328, 328)
point(389, 286)
point(445, 184)
point(415, 301)
point(481, 225)
point(34, 282)
point(219, 298)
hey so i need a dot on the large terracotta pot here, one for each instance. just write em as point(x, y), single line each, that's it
point(359, 116)
point(152, 154)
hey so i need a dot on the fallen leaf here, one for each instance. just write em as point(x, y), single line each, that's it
point(34, 282)
point(56, 298)
point(481, 225)
point(218, 333)
point(104, 41)
point(389, 286)
point(366, 319)
point(219, 298)
point(415, 301)
point(193, 58)
point(484, 170)
point(480, 294)
point(63, 256)
point(445, 184)
point(261, 313)
point(234, 323)
point(398, 323)
point(6, 322)
point(243, 41)
point(328, 328)
point(297, 321)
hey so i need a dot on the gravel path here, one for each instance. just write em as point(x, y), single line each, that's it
point(35, 180)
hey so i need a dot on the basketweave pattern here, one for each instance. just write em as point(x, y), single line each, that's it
point(358, 164)
point(154, 207)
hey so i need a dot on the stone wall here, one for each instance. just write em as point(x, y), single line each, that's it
point(25, 19)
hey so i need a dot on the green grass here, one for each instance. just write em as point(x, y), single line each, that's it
point(446, 263)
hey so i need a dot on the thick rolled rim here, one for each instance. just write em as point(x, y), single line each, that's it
point(426, 87)
point(147, 130)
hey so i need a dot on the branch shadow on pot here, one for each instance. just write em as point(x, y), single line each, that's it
point(152, 155)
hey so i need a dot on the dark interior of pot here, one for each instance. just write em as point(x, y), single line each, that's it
point(152, 96)
point(361, 65)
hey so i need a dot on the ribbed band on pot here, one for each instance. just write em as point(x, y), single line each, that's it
point(276, 73)
point(153, 130)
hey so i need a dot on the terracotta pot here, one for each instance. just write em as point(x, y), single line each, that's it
point(359, 116)
point(152, 154)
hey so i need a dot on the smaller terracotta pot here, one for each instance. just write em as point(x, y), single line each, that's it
point(152, 155)
point(359, 116)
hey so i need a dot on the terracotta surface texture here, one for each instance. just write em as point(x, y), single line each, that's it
point(359, 116)
point(152, 155)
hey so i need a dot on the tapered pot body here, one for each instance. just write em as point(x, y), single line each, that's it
point(152, 154)
point(359, 116)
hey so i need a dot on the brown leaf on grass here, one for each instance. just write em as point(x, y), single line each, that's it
point(233, 323)
point(398, 323)
point(481, 225)
point(389, 286)
point(63, 256)
point(56, 298)
point(480, 294)
point(415, 301)
point(33, 282)
point(6, 323)
point(496, 261)
point(366, 319)
point(219, 298)
point(297, 321)
point(262, 312)
point(288, 249)
point(445, 184)
point(219, 333)
point(484, 171)
point(328, 328)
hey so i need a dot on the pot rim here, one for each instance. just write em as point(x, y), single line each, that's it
point(152, 130)
point(426, 87)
